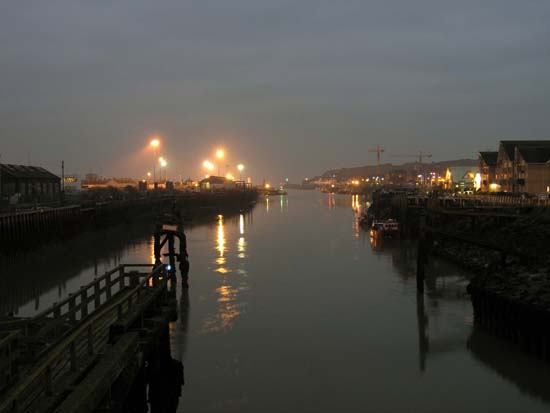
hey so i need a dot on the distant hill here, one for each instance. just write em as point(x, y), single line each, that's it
point(372, 170)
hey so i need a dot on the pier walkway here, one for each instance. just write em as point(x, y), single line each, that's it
point(85, 352)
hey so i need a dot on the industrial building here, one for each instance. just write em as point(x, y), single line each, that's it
point(22, 183)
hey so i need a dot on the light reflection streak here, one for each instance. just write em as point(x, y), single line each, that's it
point(221, 236)
point(220, 247)
point(231, 282)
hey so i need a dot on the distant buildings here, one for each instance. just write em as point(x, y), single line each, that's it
point(119, 183)
point(216, 182)
point(518, 166)
point(21, 183)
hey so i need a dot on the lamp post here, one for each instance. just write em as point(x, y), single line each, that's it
point(163, 164)
point(155, 143)
point(219, 154)
point(240, 167)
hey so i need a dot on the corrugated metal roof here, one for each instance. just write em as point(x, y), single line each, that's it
point(26, 172)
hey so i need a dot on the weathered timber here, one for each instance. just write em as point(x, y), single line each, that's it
point(91, 341)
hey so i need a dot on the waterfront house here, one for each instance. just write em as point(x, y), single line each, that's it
point(521, 166)
point(532, 165)
point(487, 170)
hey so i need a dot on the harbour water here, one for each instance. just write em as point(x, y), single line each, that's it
point(293, 307)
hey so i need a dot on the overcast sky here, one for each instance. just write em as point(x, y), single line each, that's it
point(289, 87)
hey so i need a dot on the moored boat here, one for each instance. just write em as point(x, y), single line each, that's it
point(387, 228)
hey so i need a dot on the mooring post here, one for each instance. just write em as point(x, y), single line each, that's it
point(172, 255)
point(421, 256)
point(157, 246)
point(184, 258)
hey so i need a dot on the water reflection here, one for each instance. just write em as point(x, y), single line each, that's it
point(232, 282)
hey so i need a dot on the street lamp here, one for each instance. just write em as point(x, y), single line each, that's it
point(219, 154)
point(155, 143)
point(208, 165)
point(240, 167)
point(163, 164)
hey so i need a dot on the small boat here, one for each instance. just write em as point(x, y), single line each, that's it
point(386, 228)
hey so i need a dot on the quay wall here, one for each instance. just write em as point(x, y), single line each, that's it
point(23, 229)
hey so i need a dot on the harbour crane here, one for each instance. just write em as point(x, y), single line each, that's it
point(420, 156)
point(379, 151)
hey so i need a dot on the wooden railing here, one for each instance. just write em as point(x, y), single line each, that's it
point(92, 311)
point(9, 353)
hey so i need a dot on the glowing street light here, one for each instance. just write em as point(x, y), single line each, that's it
point(240, 167)
point(208, 165)
point(219, 154)
point(163, 164)
point(154, 144)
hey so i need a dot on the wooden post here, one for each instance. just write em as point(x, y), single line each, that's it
point(108, 286)
point(83, 302)
point(121, 277)
point(97, 296)
point(421, 256)
point(172, 255)
point(157, 246)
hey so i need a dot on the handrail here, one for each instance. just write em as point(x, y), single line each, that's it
point(68, 343)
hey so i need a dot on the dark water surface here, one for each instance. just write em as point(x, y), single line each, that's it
point(294, 308)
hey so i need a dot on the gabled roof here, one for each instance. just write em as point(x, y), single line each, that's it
point(532, 154)
point(510, 146)
point(26, 172)
point(489, 157)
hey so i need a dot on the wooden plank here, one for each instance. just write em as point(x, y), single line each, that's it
point(90, 392)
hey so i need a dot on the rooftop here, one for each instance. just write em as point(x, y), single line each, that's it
point(510, 146)
point(489, 157)
point(26, 172)
point(532, 154)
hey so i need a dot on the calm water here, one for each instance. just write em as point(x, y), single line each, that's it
point(292, 307)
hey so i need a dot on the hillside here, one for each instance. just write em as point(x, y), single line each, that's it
point(372, 170)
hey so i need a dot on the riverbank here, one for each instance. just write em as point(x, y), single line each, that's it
point(509, 253)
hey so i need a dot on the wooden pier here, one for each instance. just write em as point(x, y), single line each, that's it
point(89, 352)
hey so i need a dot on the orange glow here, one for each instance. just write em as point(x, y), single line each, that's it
point(267, 186)
point(220, 153)
point(155, 143)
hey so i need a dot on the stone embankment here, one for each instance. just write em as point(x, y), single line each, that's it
point(511, 290)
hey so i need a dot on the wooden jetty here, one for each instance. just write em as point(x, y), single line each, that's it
point(92, 350)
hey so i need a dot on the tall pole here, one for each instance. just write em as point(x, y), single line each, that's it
point(63, 176)
point(154, 166)
point(1, 193)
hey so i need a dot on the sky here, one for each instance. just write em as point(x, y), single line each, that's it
point(289, 88)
